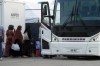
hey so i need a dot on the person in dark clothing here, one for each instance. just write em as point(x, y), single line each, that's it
point(27, 46)
point(34, 46)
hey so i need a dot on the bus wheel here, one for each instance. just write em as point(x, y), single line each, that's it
point(45, 56)
point(71, 57)
point(50, 56)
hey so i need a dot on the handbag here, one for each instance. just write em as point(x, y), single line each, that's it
point(15, 47)
point(26, 36)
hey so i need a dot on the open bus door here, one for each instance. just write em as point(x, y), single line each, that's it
point(45, 28)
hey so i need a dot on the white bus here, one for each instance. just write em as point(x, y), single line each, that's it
point(72, 30)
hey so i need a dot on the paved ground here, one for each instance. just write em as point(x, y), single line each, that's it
point(34, 61)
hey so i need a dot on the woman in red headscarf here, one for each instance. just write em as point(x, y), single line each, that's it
point(18, 37)
point(9, 40)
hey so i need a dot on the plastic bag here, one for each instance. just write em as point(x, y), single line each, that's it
point(15, 47)
point(25, 37)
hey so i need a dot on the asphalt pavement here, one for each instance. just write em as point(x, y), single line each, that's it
point(57, 61)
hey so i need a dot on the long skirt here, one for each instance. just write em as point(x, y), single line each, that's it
point(27, 48)
point(7, 47)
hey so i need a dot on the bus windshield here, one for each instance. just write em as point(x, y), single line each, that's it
point(79, 17)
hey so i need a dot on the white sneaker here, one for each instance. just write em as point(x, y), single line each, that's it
point(0, 59)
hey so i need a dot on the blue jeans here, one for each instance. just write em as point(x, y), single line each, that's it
point(1, 47)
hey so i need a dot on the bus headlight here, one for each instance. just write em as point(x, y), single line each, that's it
point(96, 38)
point(55, 39)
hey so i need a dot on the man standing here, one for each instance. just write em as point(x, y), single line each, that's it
point(1, 40)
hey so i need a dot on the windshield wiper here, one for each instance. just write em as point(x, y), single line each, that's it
point(69, 18)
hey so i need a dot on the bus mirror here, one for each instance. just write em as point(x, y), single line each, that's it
point(45, 10)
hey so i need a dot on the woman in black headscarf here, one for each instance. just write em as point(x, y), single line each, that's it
point(27, 47)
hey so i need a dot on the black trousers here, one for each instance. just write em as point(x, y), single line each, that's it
point(14, 53)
